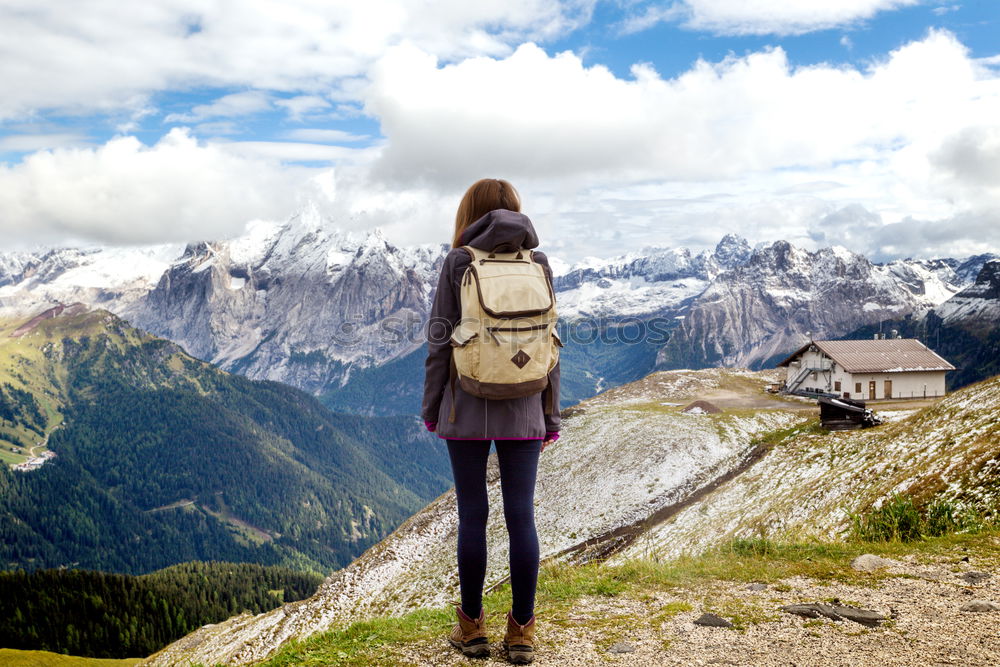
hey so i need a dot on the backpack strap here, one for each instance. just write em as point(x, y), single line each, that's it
point(452, 377)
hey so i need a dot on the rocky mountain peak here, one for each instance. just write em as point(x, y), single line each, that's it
point(978, 305)
point(733, 250)
point(987, 284)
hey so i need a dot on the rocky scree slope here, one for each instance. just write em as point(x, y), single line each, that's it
point(636, 475)
point(652, 615)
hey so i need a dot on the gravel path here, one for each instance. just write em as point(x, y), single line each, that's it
point(927, 626)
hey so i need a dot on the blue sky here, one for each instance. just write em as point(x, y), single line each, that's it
point(868, 123)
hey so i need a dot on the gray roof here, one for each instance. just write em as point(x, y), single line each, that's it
point(893, 355)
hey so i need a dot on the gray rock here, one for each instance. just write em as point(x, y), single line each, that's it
point(621, 647)
point(712, 621)
point(836, 612)
point(757, 587)
point(741, 315)
point(980, 606)
point(871, 563)
point(975, 577)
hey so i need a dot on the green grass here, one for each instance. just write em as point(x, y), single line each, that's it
point(901, 519)
point(561, 586)
point(13, 658)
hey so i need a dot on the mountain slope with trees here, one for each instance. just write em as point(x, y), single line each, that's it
point(82, 612)
point(162, 458)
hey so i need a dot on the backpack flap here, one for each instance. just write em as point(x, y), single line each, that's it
point(511, 284)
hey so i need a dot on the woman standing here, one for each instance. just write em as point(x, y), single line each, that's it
point(489, 219)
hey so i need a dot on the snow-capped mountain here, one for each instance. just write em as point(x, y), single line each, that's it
point(772, 302)
point(305, 303)
point(298, 302)
point(653, 281)
point(107, 276)
point(978, 305)
point(965, 329)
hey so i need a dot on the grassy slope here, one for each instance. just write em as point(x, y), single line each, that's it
point(14, 658)
point(812, 480)
point(23, 364)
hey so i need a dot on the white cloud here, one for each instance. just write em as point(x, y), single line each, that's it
point(653, 15)
point(125, 192)
point(297, 151)
point(539, 116)
point(324, 136)
point(303, 105)
point(35, 142)
point(750, 144)
point(760, 17)
point(101, 55)
point(944, 9)
point(577, 140)
point(227, 106)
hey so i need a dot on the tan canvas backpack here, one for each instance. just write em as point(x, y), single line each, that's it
point(506, 341)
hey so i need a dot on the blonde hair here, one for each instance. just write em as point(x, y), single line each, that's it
point(483, 196)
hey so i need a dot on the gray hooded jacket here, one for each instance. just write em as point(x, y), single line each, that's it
point(479, 418)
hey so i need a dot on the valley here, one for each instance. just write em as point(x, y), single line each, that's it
point(233, 469)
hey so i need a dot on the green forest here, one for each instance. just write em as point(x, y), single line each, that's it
point(164, 459)
point(97, 614)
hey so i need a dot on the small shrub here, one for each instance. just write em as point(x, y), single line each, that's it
point(899, 519)
point(945, 518)
point(755, 546)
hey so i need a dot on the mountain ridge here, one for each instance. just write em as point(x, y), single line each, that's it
point(307, 304)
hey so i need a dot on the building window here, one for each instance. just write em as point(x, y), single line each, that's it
point(836, 385)
point(857, 387)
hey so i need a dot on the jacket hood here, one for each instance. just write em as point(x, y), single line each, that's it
point(501, 230)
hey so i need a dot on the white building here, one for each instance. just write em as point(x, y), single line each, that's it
point(867, 369)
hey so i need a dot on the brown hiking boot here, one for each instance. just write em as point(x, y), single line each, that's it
point(469, 636)
point(519, 642)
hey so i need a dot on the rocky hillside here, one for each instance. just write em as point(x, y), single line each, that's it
point(640, 472)
point(300, 303)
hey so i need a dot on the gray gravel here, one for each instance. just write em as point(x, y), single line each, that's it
point(927, 627)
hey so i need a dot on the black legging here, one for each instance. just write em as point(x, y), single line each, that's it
point(518, 467)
